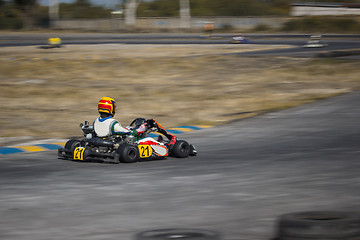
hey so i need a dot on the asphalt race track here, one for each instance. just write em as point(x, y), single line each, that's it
point(246, 174)
point(334, 41)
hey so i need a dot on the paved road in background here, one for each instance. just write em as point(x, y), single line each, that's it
point(335, 42)
point(246, 174)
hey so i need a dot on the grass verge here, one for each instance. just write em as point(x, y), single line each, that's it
point(183, 85)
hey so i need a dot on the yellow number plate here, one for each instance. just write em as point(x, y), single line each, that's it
point(79, 153)
point(145, 151)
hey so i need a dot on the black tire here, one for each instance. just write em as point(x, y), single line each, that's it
point(87, 154)
point(181, 233)
point(181, 149)
point(126, 153)
point(315, 225)
point(193, 151)
point(72, 144)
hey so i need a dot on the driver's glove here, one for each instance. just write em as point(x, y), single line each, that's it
point(134, 132)
point(142, 128)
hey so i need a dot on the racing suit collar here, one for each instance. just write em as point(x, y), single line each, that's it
point(104, 119)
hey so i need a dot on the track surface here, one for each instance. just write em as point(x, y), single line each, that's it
point(246, 175)
point(335, 42)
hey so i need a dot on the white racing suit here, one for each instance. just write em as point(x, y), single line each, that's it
point(105, 127)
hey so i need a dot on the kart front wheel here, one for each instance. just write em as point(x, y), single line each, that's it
point(126, 153)
point(181, 149)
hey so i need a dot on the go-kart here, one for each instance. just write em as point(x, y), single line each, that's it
point(315, 41)
point(240, 39)
point(126, 148)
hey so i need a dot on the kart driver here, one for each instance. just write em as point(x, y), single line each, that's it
point(106, 125)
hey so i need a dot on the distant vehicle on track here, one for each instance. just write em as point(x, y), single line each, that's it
point(239, 38)
point(315, 41)
point(53, 43)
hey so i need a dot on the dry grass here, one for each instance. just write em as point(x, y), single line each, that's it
point(48, 98)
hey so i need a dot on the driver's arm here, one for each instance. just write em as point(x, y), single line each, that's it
point(117, 129)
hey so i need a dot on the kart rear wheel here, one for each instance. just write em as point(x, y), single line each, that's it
point(181, 149)
point(126, 153)
point(72, 144)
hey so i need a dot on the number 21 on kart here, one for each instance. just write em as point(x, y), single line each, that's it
point(145, 151)
point(79, 153)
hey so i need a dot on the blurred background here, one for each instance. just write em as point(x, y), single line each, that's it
point(178, 84)
point(185, 15)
